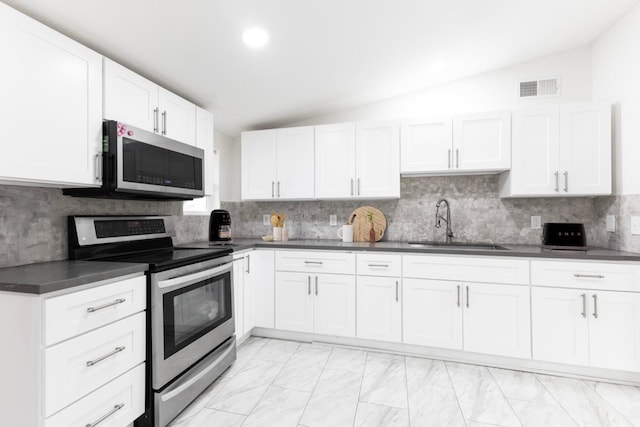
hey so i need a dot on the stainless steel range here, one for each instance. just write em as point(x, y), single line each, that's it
point(190, 305)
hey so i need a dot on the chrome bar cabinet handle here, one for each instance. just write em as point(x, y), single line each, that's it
point(115, 409)
point(155, 121)
point(109, 304)
point(449, 157)
point(308, 285)
point(273, 191)
point(457, 158)
point(588, 276)
point(278, 189)
point(378, 265)
point(566, 181)
point(584, 305)
point(98, 167)
point(352, 186)
point(467, 297)
point(248, 264)
point(595, 306)
point(458, 295)
point(101, 358)
point(316, 285)
point(358, 186)
point(557, 185)
point(164, 122)
point(313, 262)
point(397, 297)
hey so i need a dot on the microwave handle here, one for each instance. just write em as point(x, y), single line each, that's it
point(195, 277)
point(164, 122)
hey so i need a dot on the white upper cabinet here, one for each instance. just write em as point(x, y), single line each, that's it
point(378, 160)
point(204, 140)
point(335, 158)
point(426, 145)
point(560, 150)
point(50, 106)
point(278, 164)
point(132, 99)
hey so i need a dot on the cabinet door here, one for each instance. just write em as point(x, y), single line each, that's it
point(559, 325)
point(432, 313)
point(204, 140)
point(129, 97)
point(258, 155)
point(379, 314)
point(615, 332)
point(425, 145)
point(177, 117)
point(585, 149)
point(497, 320)
point(536, 151)
point(335, 304)
point(295, 159)
point(482, 141)
point(294, 302)
point(261, 281)
point(50, 107)
point(238, 295)
point(335, 161)
point(378, 159)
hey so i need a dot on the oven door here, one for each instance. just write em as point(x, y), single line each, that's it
point(192, 314)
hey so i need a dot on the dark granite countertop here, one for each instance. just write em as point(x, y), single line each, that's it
point(45, 277)
point(529, 251)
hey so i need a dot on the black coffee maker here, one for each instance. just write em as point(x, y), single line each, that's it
point(220, 227)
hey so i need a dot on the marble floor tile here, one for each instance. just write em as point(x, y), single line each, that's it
point(279, 407)
point(277, 351)
point(426, 372)
point(251, 346)
point(477, 424)
point(582, 403)
point(213, 418)
point(433, 406)
point(370, 415)
point(334, 401)
point(243, 391)
point(625, 399)
point(345, 359)
point(199, 403)
point(539, 414)
point(384, 381)
point(303, 369)
point(480, 397)
point(521, 386)
point(466, 366)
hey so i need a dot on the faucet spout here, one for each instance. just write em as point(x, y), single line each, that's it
point(446, 218)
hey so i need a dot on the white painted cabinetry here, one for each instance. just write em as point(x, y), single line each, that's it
point(560, 150)
point(377, 160)
point(253, 281)
point(50, 106)
point(335, 161)
point(132, 99)
point(278, 164)
point(204, 140)
point(426, 145)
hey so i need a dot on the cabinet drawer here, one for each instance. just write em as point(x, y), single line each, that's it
point(466, 269)
point(316, 262)
point(72, 314)
point(372, 264)
point(113, 349)
point(126, 390)
point(586, 275)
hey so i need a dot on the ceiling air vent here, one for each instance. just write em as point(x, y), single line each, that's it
point(539, 88)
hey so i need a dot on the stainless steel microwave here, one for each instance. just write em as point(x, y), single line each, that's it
point(137, 164)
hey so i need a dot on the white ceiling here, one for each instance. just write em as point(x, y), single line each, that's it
point(323, 55)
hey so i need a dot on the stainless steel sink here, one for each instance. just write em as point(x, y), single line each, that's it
point(457, 245)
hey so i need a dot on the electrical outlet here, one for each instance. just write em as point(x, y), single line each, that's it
point(611, 223)
point(536, 222)
point(333, 219)
point(266, 219)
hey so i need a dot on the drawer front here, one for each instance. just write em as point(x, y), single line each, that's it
point(372, 264)
point(122, 399)
point(466, 269)
point(316, 262)
point(72, 314)
point(586, 275)
point(112, 350)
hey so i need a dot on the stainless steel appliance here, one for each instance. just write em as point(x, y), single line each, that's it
point(220, 227)
point(564, 236)
point(143, 165)
point(190, 305)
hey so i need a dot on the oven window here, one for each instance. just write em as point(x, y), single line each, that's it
point(193, 311)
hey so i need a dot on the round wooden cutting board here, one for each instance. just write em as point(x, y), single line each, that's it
point(362, 225)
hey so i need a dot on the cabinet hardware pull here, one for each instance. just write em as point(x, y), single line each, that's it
point(584, 306)
point(316, 285)
point(164, 122)
point(397, 291)
point(457, 158)
point(458, 295)
point(155, 121)
point(313, 262)
point(358, 186)
point(273, 186)
point(248, 264)
point(379, 265)
point(101, 358)
point(308, 285)
point(595, 306)
point(109, 304)
point(278, 189)
point(467, 297)
point(99, 167)
point(588, 276)
point(352, 186)
point(566, 181)
point(115, 409)
point(557, 184)
point(449, 156)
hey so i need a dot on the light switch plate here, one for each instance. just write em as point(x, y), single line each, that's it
point(333, 219)
point(611, 223)
point(536, 222)
point(635, 225)
point(266, 219)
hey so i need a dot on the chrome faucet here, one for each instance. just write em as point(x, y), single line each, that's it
point(447, 219)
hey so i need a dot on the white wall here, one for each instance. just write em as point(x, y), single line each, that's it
point(616, 78)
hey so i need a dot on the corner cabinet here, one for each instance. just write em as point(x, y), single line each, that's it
point(278, 164)
point(50, 106)
point(560, 150)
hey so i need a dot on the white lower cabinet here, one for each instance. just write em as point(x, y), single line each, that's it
point(379, 308)
point(253, 285)
point(294, 302)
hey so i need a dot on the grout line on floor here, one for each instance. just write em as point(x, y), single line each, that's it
point(455, 393)
point(505, 397)
point(314, 387)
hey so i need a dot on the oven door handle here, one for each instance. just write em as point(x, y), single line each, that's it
point(194, 277)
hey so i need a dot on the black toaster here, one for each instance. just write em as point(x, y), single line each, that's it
point(564, 236)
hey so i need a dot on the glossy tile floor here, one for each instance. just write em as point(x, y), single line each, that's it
point(286, 383)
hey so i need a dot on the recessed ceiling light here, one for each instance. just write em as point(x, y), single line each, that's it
point(255, 37)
